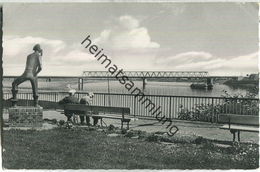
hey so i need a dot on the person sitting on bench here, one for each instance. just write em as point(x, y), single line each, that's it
point(87, 101)
point(69, 99)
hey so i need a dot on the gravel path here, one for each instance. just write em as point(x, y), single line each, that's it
point(206, 130)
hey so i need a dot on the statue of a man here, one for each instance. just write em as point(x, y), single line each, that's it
point(33, 67)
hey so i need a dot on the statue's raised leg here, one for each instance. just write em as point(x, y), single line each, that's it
point(35, 91)
point(15, 84)
point(14, 99)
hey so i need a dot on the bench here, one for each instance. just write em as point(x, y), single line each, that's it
point(94, 111)
point(236, 123)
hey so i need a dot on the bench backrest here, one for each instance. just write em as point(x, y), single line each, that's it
point(106, 109)
point(239, 119)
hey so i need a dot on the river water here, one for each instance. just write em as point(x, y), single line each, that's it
point(152, 87)
point(163, 88)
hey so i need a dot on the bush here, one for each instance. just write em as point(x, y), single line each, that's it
point(200, 112)
point(200, 140)
point(130, 133)
point(165, 138)
point(236, 104)
point(61, 122)
point(183, 139)
point(111, 127)
point(139, 133)
point(249, 153)
point(152, 138)
point(124, 131)
point(159, 132)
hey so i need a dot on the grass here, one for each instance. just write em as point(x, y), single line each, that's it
point(83, 149)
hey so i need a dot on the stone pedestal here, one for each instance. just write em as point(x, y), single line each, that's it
point(25, 116)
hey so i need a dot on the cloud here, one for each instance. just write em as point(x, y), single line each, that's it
point(126, 41)
point(246, 62)
point(128, 22)
point(203, 61)
point(187, 58)
point(74, 57)
point(126, 34)
point(56, 54)
point(14, 46)
point(53, 50)
point(173, 8)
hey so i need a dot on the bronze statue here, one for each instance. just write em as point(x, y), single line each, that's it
point(33, 67)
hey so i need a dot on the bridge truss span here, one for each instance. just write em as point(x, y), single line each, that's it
point(148, 74)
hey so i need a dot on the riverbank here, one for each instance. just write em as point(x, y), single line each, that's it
point(249, 85)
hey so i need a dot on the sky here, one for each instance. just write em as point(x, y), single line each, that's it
point(221, 38)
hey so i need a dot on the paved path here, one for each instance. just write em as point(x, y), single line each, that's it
point(206, 130)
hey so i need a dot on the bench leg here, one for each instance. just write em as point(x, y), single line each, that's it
point(128, 125)
point(238, 136)
point(122, 125)
point(234, 135)
point(75, 119)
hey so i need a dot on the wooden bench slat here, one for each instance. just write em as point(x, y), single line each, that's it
point(240, 127)
point(109, 115)
point(107, 109)
point(239, 119)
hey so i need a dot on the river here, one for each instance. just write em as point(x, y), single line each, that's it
point(163, 88)
point(152, 87)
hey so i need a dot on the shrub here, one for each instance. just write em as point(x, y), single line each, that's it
point(139, 133)
point(159, 132)
point(124, 131)
point(236, 104)
point(130, 133)
point(152, 138)
point(183, 139)
point(61, 122)
point(111, 127)
point(200, 112)
point(248, 153)
point(200, 140)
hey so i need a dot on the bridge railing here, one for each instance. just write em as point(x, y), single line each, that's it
point(173, 107)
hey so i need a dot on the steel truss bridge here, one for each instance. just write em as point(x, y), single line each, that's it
point(147, 74)
point(140, 74)
point(154, 74)
point(144, 75)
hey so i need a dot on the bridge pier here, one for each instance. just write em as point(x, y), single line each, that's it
point(144, 83)
point(80, 83)
point(210, 83)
